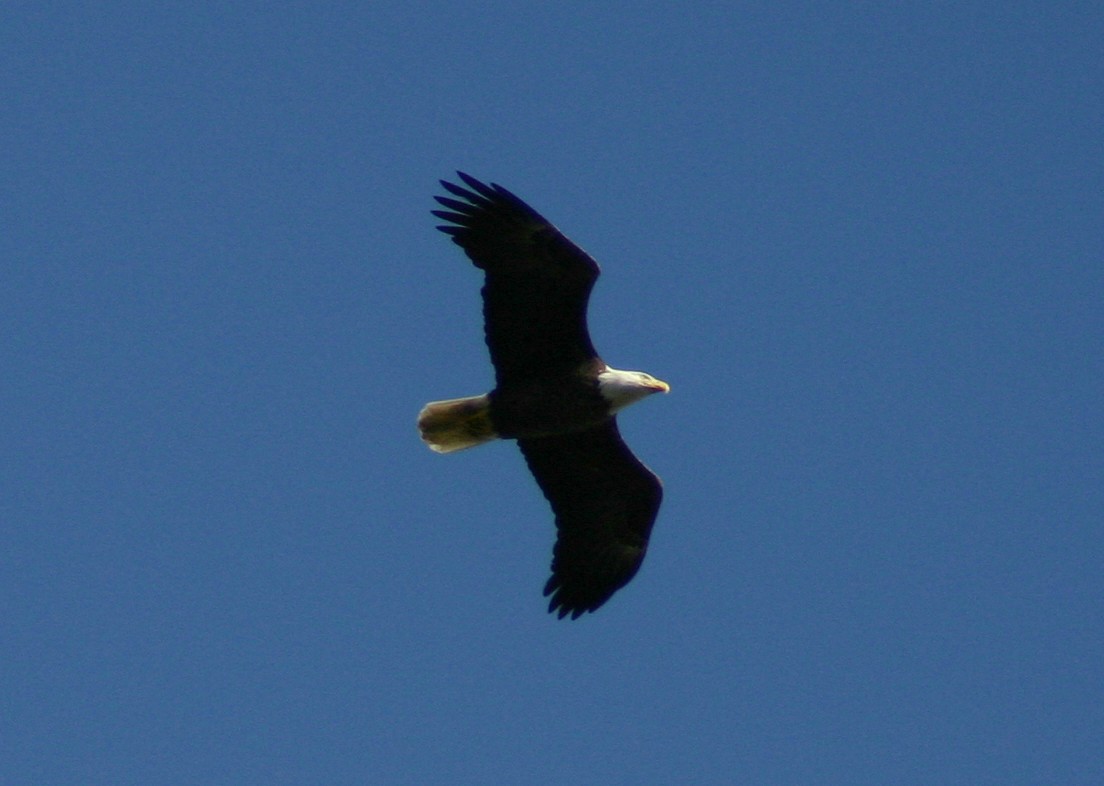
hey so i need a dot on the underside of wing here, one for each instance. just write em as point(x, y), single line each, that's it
point(537, 281)
point(605, 501)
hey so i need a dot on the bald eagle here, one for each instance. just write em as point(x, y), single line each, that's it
point(553, 394)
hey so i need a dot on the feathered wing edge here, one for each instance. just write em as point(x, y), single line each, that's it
point(480, 198)
point(605, 502)
point(537, 282)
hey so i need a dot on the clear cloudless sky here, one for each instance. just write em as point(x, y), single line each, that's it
point(862, 241)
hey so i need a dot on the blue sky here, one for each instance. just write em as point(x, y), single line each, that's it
point(862, 243)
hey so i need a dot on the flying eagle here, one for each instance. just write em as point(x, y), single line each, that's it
point(553, 394)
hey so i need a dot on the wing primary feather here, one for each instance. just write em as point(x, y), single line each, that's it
point(456, 190)
point(517, 201)
point(484, 196)
point(457, 218)
point(494, 192)
point(488, 192)
point(461, 207)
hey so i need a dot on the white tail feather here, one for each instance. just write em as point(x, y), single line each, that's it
point(457, 423)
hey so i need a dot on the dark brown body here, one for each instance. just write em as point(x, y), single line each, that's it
point(546, 407)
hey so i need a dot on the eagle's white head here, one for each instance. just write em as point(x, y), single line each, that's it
point(621, 388)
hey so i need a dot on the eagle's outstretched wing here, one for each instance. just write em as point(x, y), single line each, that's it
point(537, 281)
point(605, 501)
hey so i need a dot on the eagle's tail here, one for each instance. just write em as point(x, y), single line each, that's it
point(456, 424)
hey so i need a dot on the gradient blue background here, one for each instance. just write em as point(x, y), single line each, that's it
point(863, 244)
